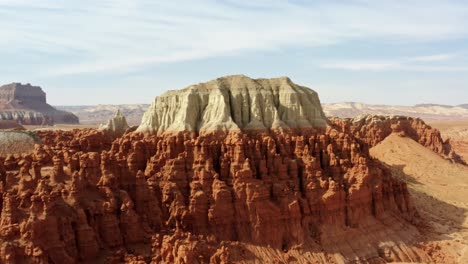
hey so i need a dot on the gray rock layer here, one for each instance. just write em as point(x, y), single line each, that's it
point(235, 103)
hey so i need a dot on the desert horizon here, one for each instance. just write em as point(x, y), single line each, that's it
point(224, 132)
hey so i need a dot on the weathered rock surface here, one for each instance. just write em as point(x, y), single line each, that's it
point(116, 126)
point(373, 129)
point(196, 199)
point(458, 139)
point(235, 103)
point(26, 104)
point(277, 184)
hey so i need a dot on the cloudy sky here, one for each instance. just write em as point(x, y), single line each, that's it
point(129, 51)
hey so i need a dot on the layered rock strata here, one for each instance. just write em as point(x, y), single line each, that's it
point(370, 130)
point(235, 103)
point(26, 104)
point(458, 139)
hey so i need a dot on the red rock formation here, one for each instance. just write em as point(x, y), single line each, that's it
point(373, 129)
point(76, 140)
point(201, 199)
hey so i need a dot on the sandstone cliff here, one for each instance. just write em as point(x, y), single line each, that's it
point(235, 103)
point(313, 196)
point(373, 129)
point(278, 184)
point(26, 104)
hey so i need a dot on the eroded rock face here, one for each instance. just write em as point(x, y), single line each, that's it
point(458, 139)
point(373, 129)
point(26, 104)
point(233, 170)
point(182, 198)
point(235, 103)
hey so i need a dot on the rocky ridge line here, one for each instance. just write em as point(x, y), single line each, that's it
point(373, 129)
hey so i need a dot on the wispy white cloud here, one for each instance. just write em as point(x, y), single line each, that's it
point(31, 4)
point(121, 35)
point(426, 63)
point(362, 65)
point(390, 66)
point(435, 57)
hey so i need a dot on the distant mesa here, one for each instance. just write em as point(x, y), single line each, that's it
point(235, 103)
point(27, 105)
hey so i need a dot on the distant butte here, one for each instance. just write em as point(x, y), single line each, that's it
point(27, 105)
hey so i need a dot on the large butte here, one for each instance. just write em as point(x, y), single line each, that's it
point(235, 103)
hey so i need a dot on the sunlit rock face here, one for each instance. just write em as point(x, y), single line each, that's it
point(235, 103)
point(184, 198)
point(295, 190)
point(373, 129)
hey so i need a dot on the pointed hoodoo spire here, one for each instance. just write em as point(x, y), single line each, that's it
point(116, 126)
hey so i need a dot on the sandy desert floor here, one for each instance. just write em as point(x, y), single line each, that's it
point(440, 192)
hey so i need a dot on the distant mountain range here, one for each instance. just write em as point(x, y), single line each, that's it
point(97, 114)
point(424, 111)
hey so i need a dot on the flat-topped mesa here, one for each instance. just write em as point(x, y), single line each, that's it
point(20, 92)
point(235, 103)
point(26, 104)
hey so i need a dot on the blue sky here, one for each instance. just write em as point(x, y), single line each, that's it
point(121, 51)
